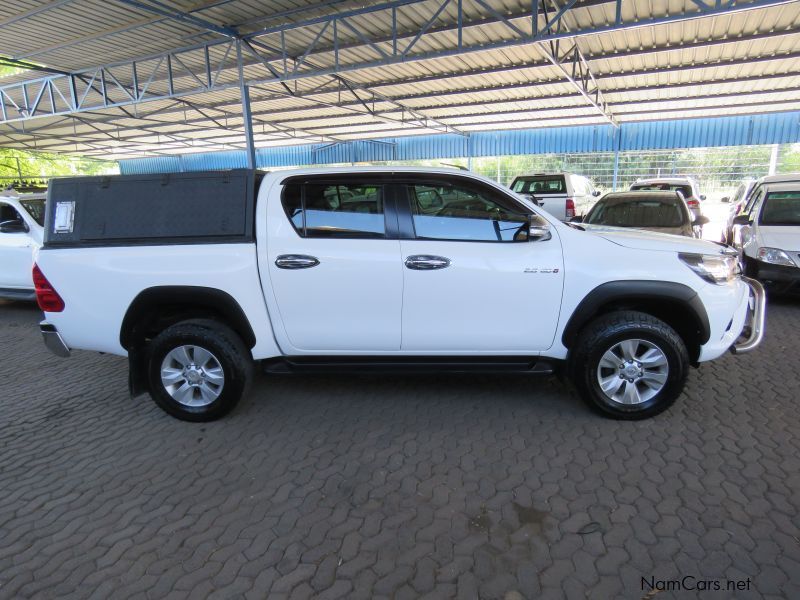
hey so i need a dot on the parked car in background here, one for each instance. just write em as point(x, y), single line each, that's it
point(769, 238)
point(733, 233)
point(289, 270)
point(21, 229)
point(685, 185)
point(664, 212)
point(563, 195)
point(736, 202)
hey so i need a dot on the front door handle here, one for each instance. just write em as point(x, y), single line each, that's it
point(426, 262)
point(295, 261)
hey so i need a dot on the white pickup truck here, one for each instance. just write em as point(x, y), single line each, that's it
point(198, 277)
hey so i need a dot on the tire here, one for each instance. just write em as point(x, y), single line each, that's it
point(628, 335)
point(217, 383)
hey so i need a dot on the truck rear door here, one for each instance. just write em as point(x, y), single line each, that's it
point(335, 272)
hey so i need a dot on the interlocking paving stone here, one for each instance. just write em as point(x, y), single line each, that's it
point(398, 487)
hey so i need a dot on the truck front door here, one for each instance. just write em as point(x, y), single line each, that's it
point(336, 276)
point(473, 284)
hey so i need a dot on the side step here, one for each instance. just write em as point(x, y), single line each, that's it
point(413, 364)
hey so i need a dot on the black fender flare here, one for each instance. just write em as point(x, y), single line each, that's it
point(211, 299)
point(638, 291)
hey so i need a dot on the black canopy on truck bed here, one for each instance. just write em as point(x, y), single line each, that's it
point(164, 208)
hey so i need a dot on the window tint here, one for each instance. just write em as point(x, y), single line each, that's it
point(9, 213)
point(685, 190)
point(467, 214)
point(330, 210)
point(641, 212)
point(553, 184)
point(35, 209)
point(781, 208)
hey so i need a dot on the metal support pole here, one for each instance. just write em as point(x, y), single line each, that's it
point(618, 140)
point(773, 159)
point(247, 115)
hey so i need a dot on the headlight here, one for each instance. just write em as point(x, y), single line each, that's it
point(775, 256)
point(717, 268)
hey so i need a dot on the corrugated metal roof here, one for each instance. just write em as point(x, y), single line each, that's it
point(738, 62)
point(650, 135)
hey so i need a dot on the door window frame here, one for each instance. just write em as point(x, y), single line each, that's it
point(382, 180)
point(405, 214)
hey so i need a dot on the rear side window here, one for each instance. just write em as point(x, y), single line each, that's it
point(554, 184)
point(35, 209)
point(465, 213)
point(326, 210)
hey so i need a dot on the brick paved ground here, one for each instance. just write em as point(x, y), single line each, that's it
point(490, 487)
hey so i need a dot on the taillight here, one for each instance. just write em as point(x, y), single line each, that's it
point(692, 203)
point(46, 295)
point(570, 208)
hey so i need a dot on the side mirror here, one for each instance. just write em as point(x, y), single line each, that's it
point(14, 226)
point(702, 196)
point(576, 219)
point(741, 220)
point(700, 221)
point(726, 199)
point(596, 193)
point(538, 229)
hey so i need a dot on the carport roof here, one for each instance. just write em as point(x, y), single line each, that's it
point(126, 78)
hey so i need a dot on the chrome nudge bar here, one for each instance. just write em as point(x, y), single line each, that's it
point(757, 318)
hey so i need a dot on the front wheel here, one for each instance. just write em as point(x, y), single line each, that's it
point(629, 365)
point(198, 370)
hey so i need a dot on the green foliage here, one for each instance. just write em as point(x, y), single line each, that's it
point(34, 165)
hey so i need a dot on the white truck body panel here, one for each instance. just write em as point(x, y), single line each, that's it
point(494, 299)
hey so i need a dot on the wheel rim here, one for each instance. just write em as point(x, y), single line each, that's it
point(192, 376)
point(632, 372)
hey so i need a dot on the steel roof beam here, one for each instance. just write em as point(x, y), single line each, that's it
point(12, 96)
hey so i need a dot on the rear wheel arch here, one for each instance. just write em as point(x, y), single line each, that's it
point(676, 304)
point(156, 308)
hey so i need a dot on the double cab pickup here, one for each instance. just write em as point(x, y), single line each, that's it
point(199, 277)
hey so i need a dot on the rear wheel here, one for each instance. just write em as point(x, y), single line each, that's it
point(629, 365)
point(198, 370)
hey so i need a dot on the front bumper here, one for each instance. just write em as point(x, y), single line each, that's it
point(777, 278)
point(756, 318)
point(53, 340)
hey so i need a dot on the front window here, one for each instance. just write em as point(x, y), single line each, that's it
point(335, 210)
point(781, 208)
point(467, 214)
point(637, 212)
point(542, 184)
point(35, 208)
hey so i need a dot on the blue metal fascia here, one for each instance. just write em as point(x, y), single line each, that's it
point(773, 128)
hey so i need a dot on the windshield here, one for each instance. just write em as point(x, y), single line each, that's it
point(34, 208)
point(637, 212)
point(686, 190)
point(781, 208)
point(547, 184)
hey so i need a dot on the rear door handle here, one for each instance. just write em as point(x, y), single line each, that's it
point(426, 262)
point(295, 261)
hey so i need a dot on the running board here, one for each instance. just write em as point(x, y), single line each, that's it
point(413, 364)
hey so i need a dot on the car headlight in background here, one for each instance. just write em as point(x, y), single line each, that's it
point(774, 256)
point(714, 268)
